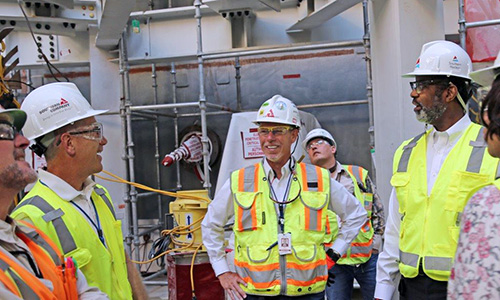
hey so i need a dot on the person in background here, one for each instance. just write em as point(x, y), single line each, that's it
point(360, 260)
point(30, 263)
point(475, 271)
point(432, 175)
point(65, 202)
point(280, 212)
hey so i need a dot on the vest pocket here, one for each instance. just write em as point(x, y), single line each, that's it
point(315, 214)
point(400, 182)
point(258, 253)
point(305, 253)
point(461, 185)
point(247, 211)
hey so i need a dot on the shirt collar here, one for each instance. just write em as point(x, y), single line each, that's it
point(285, 171)
point(455, 131)
point(64, 189)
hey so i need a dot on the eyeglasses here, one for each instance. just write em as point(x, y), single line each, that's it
point(276, 130)
point(419, 86)
point(92, 132)
point(317, 143)
point(7, 132)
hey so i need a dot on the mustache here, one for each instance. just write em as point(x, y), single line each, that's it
point(18, 153)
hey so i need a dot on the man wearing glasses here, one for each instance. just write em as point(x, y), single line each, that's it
point(66, 203)
point(360, 259)
point(433, 174)
point(280, 217)
point(22, 275)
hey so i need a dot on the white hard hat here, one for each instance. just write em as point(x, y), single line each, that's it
point(486, 76)
point(53, 106)
point(279, 110)
point(14, 116)
point(318, 133)
point(442, 58)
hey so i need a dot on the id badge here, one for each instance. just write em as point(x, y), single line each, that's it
point(285, 243)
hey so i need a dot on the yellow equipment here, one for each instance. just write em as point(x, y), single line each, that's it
point(188, 214)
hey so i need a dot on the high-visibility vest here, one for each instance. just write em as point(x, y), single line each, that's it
point(430, 225)
point(104, 266)
point(50, 261)
point(361, 247)
point(256, 230)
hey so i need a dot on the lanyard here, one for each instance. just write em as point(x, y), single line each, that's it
point(281, 205)
point(96, 226)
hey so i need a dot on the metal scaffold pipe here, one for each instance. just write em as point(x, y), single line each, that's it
point(176, 121)
point(130, 146)
point(157, 145)
point(237, 68)
point(369, 87)
point(461, 23)
point(202, 99)
point(123, 118)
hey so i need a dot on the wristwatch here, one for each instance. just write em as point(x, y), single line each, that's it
point(334, 255)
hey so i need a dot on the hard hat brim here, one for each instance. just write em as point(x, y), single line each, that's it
point(485, 76)
point(274, 120)
point(16, 116)
point(413, 74)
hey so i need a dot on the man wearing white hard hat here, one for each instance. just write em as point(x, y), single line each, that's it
point(432, 176)
point(27, 271)
point(360, 260)
point(280, 217)
point(65, 202)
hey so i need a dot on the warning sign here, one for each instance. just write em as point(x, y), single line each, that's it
point(251, 144)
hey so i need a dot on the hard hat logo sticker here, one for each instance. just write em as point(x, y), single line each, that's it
point(280, 105)
point(417, 64)
point(455, 64)
point(270, 114)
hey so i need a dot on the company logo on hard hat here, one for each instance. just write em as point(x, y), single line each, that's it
point(455, 64)
point(417, 64)
point(63, 103)
point(280, 105)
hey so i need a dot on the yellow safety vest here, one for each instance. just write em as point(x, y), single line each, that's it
point(430, 224)
point(361, 247)
point(104, 267)
point(256, 231)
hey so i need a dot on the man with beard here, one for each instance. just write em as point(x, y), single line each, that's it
point(280, 217)
point(26, 271)
point(432, 176)
point(66, 203)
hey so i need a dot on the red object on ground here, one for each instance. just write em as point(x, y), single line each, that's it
point(206, 285)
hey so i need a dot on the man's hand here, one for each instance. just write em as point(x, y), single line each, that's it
point(231, 283)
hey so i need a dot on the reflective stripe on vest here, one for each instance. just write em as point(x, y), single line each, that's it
point(405, 157)
point(430, 262)
point(24, 289)
point(52, 215)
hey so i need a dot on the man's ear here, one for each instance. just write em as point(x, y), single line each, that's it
point(295, 135)
point(334, 150)
point(68, 144)
point(451, 93)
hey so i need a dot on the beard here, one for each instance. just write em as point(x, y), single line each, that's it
point(429, 115)
point(15, 177)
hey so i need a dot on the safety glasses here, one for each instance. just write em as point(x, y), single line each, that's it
point(276, 130)
point(419, 86)
point(317, 143)
point(92, 132)
point(7, 131)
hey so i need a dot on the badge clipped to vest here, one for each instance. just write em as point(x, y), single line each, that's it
point(285, 243)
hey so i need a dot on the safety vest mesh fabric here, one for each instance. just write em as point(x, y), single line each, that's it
point(361, 247)
point(256, 229)
point(103, 266)
point(22, 283)
point(430, 225)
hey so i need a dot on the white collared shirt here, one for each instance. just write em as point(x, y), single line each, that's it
point(439, 145)
point(221, 209)
point(68, 193)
